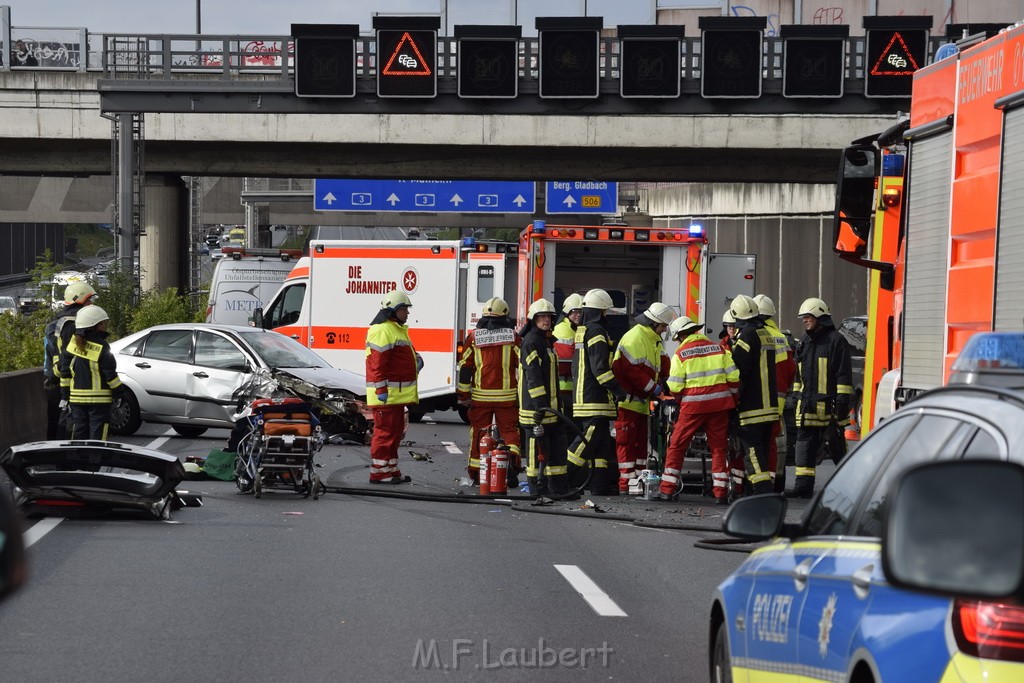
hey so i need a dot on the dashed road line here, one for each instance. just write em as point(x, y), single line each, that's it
point(40, 529)
point(591, 592)
point(156, 443)
point(451, 447)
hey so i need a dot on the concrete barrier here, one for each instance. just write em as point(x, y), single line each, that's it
point(22, 407)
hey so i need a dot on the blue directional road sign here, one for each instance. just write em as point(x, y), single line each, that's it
point(579, 196)
point(438, 196)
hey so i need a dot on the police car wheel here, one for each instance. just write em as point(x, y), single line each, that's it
point(721, 668)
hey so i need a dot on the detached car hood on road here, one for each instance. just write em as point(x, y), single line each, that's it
point(92, 475)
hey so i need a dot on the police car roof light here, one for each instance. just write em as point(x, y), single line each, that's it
point(991, 358)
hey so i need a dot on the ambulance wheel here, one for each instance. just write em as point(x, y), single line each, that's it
point(188, 431)
point(125, 417)
point(257, 486)
point(721, 667)
point(463, 414)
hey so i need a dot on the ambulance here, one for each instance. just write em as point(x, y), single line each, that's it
point(329, 298)
point(244, 280)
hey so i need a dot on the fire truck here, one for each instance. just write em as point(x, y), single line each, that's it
point(934, 206)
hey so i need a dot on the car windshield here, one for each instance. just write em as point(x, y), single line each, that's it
point(279, 351)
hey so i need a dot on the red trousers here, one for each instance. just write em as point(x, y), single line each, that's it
point(630, 444)
point(481, 415)
point(716, 426)
point(388, 428)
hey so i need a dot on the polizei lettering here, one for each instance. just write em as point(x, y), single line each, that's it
point(357, 285)
point(770, 617)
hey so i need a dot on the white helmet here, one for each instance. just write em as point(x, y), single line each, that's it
point(394, 299)
point(814, 306)
point(572, 302)
point(540, 307)
point(495, 307)
point(765, 305)
point(78, 293)
point(660, 313)
point(683, 325)
point(743, 308)
point(727, 318)
point(89, 317)
point(597, 298)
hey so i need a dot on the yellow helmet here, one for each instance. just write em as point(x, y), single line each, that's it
point(78, 293)
point(540, 307)
point(683, 325)
point(743, 308)
point(814, 306)
point(394, 299)
point(765, 305)
point(573, 301)
point(660, 313)
point(495, 307)
point(597, 298)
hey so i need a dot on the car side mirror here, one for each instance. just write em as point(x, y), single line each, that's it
point(956, 528)
point(257, 318)
point(756, 518)
point(13, 569)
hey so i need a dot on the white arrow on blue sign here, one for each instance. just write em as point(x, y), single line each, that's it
point(435, 196)
point(581, 196)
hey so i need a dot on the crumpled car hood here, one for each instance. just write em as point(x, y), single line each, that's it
point(327, 378)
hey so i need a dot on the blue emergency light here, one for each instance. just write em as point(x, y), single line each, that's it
point(892, 165)
point(539, 226)
point(469, 243)
point(992, 351)
point(696, 230)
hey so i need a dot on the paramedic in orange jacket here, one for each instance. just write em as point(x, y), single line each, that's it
point(391, 369)
point(488, 384)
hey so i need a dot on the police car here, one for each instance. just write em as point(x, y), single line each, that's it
point(814, 604)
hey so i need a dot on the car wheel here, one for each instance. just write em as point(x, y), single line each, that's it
point(416, 415)
point(188, 431)
point(463, 414)
point(721, 666)
point(125, 417)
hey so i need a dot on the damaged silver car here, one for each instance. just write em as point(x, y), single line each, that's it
point(193, 376)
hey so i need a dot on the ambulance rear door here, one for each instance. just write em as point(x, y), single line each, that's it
point(350, 278)
point(485, 278)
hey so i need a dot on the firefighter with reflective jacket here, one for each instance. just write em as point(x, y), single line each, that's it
point(754, 355)
point(488, 380)
point(58, 332)
point(92, 372)
point(565, 346)
point(391, 369)
point(543, 438)
point(824, 388)
point(640, 367)
point(595, 393)
point(785, 371)
point(705, 382)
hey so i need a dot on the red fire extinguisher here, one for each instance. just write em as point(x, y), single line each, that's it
point(487, 444)
point(499, 468)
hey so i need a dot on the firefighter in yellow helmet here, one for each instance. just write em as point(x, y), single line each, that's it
point(595, 395)
point(488, 381)
point(641, 368)
point(543, 438)
point(391, 369)
point(824, 385)
point(92, 370)
point(754, 355)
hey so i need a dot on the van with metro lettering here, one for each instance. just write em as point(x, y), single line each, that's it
point(244, 280)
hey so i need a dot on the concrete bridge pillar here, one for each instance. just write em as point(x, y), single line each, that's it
point(163, 248)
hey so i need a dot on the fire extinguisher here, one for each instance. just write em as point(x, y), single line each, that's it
point(487, 444)
point(499, 468)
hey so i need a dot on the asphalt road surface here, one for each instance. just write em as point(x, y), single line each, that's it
point(365, 588)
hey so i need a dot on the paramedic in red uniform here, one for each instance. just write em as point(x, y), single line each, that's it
point(488, 384)
point(391, 368)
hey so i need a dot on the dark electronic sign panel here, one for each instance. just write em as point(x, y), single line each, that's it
point(731, 56)
point(813, 61)
point(325, 60)
point(649, 64)
point(488, 64)
point(569, 65)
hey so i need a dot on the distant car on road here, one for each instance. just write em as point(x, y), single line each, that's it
point(8, 305)
point(189, 376)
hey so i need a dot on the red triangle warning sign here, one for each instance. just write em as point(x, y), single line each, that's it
point(895, 59)
point(410, 59)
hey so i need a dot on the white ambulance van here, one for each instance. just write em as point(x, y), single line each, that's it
point(244, 280)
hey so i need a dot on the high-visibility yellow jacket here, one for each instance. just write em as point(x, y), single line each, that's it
point(565, 345)
point(92, 370)
point(637, 367)
point(785, 365)
point(595, 390)
point(390, 364)
point(824, 382)
point(703, 377)
point(538, 378)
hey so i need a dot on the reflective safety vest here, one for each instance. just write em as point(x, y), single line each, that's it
point(825, 381)
point(594, 387)
point(703, 377)
point(488, 369)
point(637, 367)
point(754, 355)
point(538, 379)
point(785, 366)
point(565, 345)
point(390, 364)
point(92, 371)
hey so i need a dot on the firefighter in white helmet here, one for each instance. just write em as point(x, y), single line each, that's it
point(544, 440)
point(595, 394)
point(391, 369)
point(641, 368)
point(488, 381)
point(785, 370)
point(824, 385)
point(565, 345)
point(92, 370)
point(729, 331)
point(754, 355)
point(705, 382)
point(56, 336)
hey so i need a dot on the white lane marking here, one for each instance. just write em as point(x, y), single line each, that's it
point(40, 529)
point(428, 420)
point(161, 440)
point(451, 447)
point(585, 586)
